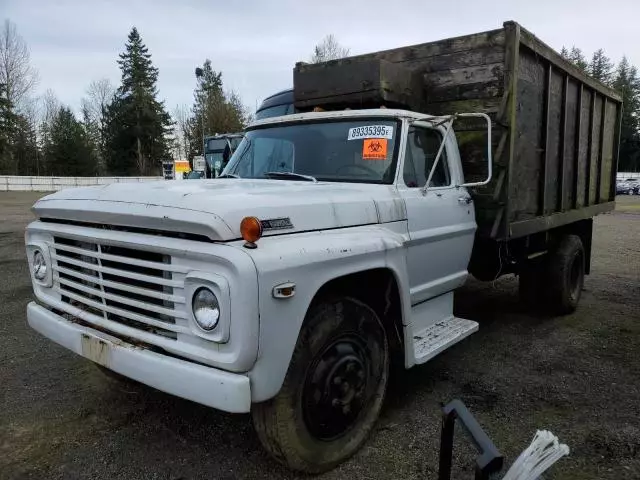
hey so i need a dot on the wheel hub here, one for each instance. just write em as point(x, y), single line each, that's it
point(335, 390)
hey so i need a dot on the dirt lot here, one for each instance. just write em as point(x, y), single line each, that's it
point(578, 376)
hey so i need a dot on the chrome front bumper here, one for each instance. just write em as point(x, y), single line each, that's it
point(222, 390)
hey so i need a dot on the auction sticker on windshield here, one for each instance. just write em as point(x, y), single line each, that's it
point(370, 131)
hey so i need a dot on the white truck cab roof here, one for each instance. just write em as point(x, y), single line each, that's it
point(312, 116)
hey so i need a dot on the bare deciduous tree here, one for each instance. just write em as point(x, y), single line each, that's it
point(94, 110)
point(328, 49)
point(182, 131)
point(15, 71)
point(99, 95)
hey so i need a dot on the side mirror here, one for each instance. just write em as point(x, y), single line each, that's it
point(489, 159)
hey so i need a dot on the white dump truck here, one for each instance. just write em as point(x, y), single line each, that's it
point(333, 242)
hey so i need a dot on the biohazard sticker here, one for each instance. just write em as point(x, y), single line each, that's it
point(374, 149)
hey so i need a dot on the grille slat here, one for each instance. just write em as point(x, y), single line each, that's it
point(123, 313)
point(119, 286)
point(116, 272)
point(120, 299)
point(120, 259)
point(132, 287)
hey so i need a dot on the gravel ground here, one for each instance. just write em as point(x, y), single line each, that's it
point(578, 376)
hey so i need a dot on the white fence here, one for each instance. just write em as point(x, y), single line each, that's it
point(10, 183)
point(625, 175)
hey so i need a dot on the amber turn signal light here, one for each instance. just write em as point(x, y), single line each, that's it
point(250, 229)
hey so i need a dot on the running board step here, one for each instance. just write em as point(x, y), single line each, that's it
point(440, 336)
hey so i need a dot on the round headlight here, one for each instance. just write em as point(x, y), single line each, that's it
point(206, 309)
point(39, 266)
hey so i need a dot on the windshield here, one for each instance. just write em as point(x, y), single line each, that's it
point(360, 150)
point(214, 160)
point(216, 144)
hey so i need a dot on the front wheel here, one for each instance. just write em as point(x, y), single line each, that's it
point(333, 391)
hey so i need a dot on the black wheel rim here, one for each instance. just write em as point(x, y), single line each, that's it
point(575, 276)
point(337, 387)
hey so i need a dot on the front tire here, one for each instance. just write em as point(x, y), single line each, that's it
point(333, 391)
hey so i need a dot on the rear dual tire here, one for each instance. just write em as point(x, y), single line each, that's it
point(555, 281)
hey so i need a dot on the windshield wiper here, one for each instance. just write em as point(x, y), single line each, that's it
point(228, 175)
point(290, 175)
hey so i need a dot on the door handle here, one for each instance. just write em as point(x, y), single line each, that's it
point(466, 200)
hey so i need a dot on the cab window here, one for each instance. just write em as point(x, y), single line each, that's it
point(422, 147)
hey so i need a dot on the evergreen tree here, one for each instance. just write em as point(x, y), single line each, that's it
point(25, 147)
point(136, 123)
point(578, 59)
point(601, 67)
point(627, 83)
point(7, 123)
point(564, 53)
point(67, 151)
point(93, 135)
point(223, 112)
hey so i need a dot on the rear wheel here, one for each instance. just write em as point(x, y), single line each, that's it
point(333, 391)
point(565, 279)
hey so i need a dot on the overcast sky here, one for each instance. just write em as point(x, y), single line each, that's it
point(256, 43)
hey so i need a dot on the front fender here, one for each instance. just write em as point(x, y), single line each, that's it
point(310, 260)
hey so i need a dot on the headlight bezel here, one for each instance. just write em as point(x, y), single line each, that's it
point(32, 249)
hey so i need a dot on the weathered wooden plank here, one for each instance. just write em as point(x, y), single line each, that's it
point(578, 172)
point(544, 171)
point(464, 76)
point(486, 105)
point(493, 38)
point(586, 147)
point(473, 91)
point(526, 167)
point(594, 162)
point(607, 192)
point(562, 146)
point(602, 140)
point(507, 115)
point(616, 149)
point(554, 142)
point(457, 60)
point(569, 145)
point(375, 82)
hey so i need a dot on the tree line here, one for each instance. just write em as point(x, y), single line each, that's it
point(122, 130)
point(126, 130)
point(623, 78)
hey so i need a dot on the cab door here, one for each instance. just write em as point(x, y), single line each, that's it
point(441, 219)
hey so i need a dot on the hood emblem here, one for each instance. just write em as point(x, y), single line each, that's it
point(276, 224)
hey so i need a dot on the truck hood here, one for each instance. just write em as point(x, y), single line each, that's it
point(215, 208)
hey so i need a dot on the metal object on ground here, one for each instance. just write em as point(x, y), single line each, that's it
point(489, 461)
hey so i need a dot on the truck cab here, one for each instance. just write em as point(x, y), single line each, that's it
point(218, 150)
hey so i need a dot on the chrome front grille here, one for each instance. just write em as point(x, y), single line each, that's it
point(134, 287)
